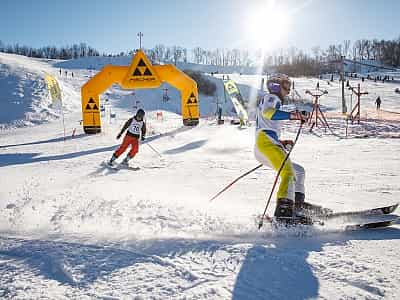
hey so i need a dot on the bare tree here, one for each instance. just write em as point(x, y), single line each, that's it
point(197, 53)
point(159, 51)
point(176, 53)
point(168, 54)
point(332, 52)
point(346, 47)
point(367, 48)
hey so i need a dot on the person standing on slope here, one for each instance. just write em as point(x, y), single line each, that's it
point(378, 102)
point(136, 128)
point(269, 150)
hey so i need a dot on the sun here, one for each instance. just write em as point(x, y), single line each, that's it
point(266, 26)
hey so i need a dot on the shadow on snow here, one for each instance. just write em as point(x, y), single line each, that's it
point(53, 140)
point(9, 159)
point(187, 147)
point(272, 268)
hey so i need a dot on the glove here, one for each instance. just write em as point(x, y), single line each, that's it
point(300, 115)
point(305, 114)
point(143, 138)
point(118, 136)
point(288, 144)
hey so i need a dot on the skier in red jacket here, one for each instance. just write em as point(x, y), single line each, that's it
point(136, 129)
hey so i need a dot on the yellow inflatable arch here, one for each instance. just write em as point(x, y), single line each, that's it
point(141, 74)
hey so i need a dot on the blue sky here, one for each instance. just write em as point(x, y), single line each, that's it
point(112, 26)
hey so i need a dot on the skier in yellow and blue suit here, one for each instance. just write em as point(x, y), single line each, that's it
point(271, 151)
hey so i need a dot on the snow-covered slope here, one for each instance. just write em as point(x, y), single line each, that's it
point(24, 96)
point(72, 229)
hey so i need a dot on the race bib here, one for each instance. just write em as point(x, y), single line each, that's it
point(135, 127)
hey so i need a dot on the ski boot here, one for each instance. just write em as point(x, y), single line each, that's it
point(286, 215)
point(307, 209)
point(111, 161)
point(126, 160)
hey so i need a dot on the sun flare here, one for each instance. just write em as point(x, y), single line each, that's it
point(266, 26)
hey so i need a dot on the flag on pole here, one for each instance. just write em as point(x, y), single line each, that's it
point(237, 100)
point(54, 88)
point(55, 93)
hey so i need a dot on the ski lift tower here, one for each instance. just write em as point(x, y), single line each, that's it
point(355, 113)
point(316, 113)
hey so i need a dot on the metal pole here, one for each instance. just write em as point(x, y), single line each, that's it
point(140, 34)
point(152, 148)
point(344, 108)
point(63, 121)
point(316, 111)
point(359, 103)
point(231, 183)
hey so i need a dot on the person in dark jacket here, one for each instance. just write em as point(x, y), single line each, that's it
point(136, 129)
point(378, 102)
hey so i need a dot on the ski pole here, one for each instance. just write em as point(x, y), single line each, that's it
point(152, 148)
point(230, 184)
point(260, 224)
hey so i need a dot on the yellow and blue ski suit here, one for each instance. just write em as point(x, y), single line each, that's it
point(268, 149)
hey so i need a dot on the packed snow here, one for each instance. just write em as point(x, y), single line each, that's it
point(72, 228)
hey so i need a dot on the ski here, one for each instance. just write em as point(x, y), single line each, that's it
point(348, 222)
point(117, 167)
point(384, 210)
point(372, 225)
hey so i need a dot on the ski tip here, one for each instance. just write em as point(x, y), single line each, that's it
point(372, 225)
point(390, 209)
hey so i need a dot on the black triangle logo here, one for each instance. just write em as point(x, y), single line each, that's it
point(95, 107)
point(147, 72)
point(137, 72)
point(91, 100)
point(88, 107)
point(191, 99)
point(141, 63)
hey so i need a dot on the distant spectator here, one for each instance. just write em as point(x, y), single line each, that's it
point(60, 72)
point(219, 113)
point(378, 103)
point(66, 73)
